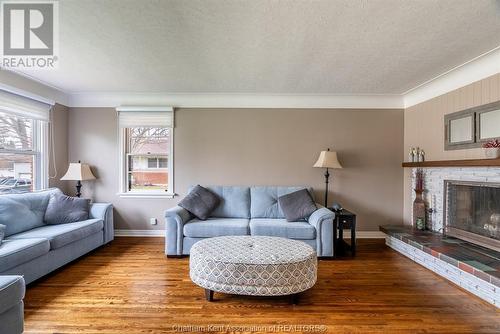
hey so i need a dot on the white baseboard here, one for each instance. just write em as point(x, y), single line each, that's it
point(161, 233)
point(139, 233)
point(365, 235)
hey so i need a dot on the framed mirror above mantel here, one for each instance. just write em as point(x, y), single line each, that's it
point(472, 127)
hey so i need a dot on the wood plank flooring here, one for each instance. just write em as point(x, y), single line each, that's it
point(130, 286)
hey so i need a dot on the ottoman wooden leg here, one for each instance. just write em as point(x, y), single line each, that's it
point(209, 295)
point(294, 299)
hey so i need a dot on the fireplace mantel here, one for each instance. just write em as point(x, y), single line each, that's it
point(454, 163)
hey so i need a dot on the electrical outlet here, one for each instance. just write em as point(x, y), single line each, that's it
point(153, 221)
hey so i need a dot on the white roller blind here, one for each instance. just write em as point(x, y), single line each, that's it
point(23, 106)
point(130, 117)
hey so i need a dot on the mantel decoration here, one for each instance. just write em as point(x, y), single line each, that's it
point(492, 149)
point(419, 212)
point(78, 172)
point(416, 155)
point(327, 159)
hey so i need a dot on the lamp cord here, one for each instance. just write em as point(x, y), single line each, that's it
point(52, 140)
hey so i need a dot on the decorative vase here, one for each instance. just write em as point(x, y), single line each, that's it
point(492, 152)
point(419, 210)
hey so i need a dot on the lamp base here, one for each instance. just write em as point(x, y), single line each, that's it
point(327, 176)
point(78, 188)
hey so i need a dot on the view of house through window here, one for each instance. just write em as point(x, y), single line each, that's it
point(148, 151)
point(18, 157)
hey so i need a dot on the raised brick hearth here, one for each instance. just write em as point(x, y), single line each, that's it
point(474, 268)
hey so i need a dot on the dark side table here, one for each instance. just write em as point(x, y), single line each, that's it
point(345, 220)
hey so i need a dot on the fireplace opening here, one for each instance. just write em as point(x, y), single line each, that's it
point(472, 212)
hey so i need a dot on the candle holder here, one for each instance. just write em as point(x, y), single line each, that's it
point(430, 219)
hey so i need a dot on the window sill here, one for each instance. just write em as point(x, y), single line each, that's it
point(145, 195)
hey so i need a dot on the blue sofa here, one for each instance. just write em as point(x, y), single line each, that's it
point(33, 249)
point(12, 290)
point(248, 211)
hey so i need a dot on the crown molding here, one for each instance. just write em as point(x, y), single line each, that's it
point(481, 67)
point(476, 69)
point(184, 100)
point(25, 85)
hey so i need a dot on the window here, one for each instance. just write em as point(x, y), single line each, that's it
point(23, 144)
point(157, 162)
point(145, 147)
point(162, 162)
point(152, 162)
point(146, 136)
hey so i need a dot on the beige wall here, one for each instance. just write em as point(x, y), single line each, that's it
point(424, 126)
point(257, 147)
point(59, 126)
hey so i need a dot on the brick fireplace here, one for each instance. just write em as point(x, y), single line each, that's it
point(448, 249)
point(434, 184)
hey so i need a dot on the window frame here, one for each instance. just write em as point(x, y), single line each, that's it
point(39, 151)
point(123, 168)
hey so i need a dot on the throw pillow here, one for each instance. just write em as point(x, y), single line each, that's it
point(297, 205)
point(2, 232)
point(64, 209)
point(201, 202)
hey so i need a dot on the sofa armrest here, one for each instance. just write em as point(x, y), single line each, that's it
point(12, 289)
point(175, 218)
point(104, 211)
point(322, 220)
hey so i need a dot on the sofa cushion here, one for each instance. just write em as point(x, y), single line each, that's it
point(298, 205)
point(63, 234)
point(282, 228)
point(12, 289)
point(200, 202)
point(216, 227)
point(23, 212)
point(64, 209)
point(234, 201)
point(265, 201)
point(14, 252)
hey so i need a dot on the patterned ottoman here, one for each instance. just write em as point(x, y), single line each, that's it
point(253, 265)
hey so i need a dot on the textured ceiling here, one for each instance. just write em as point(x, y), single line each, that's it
point(267, 46)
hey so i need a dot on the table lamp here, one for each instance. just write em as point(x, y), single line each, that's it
point(78, 172)
point(327, 159)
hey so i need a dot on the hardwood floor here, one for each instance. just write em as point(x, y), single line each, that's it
point(130, 286)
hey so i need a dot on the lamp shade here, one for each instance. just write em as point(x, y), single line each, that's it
point(78, 172)
point(328, 159)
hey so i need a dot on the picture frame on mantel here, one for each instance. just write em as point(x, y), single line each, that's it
point(472, 127)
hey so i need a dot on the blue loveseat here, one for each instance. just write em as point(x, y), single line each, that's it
point(33, 249)
point(248, 211)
